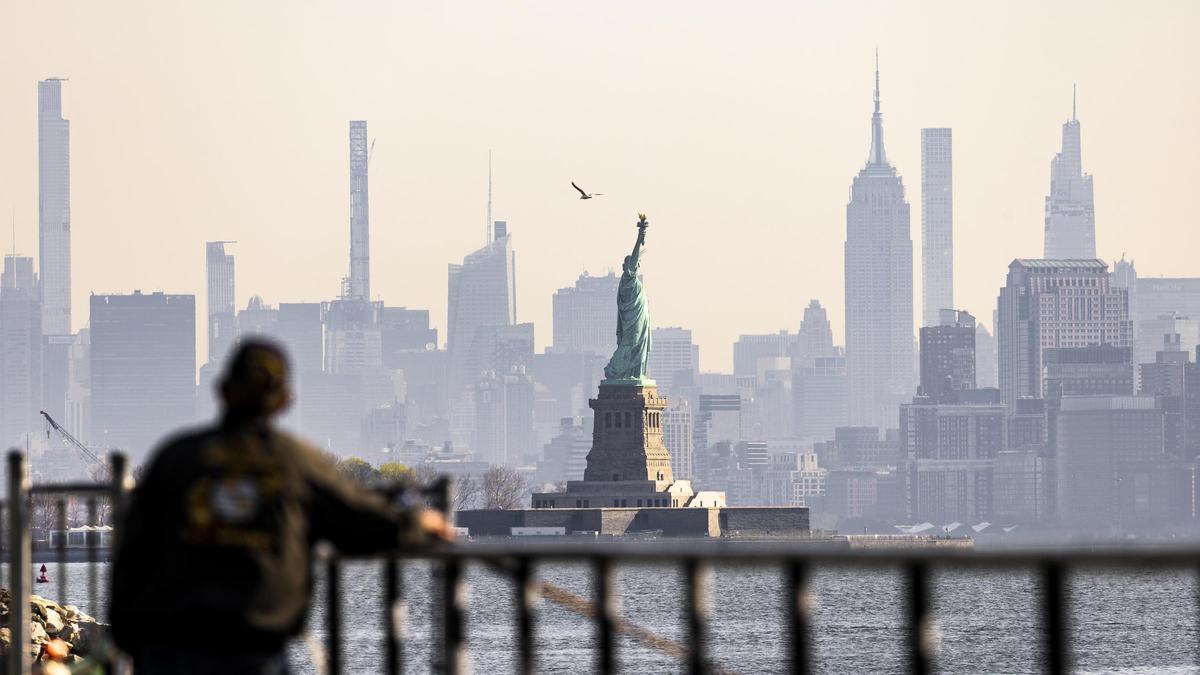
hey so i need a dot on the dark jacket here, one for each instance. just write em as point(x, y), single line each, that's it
point(215, 548)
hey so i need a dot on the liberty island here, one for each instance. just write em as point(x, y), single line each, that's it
point(628, 486)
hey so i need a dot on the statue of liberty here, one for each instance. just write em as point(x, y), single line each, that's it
point(629, 360)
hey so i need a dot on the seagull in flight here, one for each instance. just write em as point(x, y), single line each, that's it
point(586, 195)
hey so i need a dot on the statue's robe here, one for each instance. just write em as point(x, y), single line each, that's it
point(630, 359)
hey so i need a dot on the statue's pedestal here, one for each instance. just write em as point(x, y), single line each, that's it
point(629, 465)
point(627, 434)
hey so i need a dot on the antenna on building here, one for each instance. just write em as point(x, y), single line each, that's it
point(1072, 102)
point(14, 230)
point(487, 227)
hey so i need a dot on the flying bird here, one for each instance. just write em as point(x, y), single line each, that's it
point(586, 195)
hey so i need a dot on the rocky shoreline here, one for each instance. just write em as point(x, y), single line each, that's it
point(49, 621)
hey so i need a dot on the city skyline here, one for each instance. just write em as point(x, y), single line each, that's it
point(418, 193)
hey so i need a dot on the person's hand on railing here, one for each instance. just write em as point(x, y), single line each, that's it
point(434, 524)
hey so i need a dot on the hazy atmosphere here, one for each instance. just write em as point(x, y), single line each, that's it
point(736, 128)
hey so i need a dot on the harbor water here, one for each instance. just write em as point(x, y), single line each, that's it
point(986, 621)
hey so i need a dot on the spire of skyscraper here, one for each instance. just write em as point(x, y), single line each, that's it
point(1073, 118)
point(877, 155)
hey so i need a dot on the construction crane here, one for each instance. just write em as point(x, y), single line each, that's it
point(68, 440)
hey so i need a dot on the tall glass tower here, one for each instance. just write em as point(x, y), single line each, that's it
point(1070, 209)
point(359, 282)
point(937, 224)
point(54, 208)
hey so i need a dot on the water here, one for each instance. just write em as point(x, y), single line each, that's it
point(1123, 622)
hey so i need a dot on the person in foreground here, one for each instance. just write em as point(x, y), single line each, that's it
point(212, 571)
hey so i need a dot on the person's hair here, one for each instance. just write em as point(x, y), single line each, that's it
point(255, 382)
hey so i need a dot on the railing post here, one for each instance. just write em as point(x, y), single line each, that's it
point(798, 618)
point(697, 615)
point(526, 609)
point(453, 653)
point(92, 544)
point(1053, 624)
point(333, 617)
point(920, 628)
point(395, 615)
point(119, 469)
point(20, 562)
point(60, 506)
point(606, 630)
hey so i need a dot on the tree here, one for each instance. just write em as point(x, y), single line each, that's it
point(503, 487)
point(358, 470)
point(395, 472)
point(466, 492)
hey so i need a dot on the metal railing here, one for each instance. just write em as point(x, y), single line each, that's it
point(519, 562)
point(18, 510)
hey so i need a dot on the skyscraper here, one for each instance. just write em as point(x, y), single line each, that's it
point(1070, 210)
point(814, 339)
point(54, 208)
point(143, 368)
point(585, 316)
point(879, 294)
point(222, 319)
point(20, 351)
point(948, 355)
point(482, 292)
point(1054, 303)
point(358, 286)
point(937, 224)
point(673, 353)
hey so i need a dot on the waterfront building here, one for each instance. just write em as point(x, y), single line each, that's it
point(949, 448)
point(20, 352)
point(1112, 467)
point(54, 209)
point(1070, 210)
point(937, 224)
point(948, 355)
point(794, 479)
point(585, 316)
point(1054, 303)
point(879, 292)
point(143, 369)
point(1019, 487)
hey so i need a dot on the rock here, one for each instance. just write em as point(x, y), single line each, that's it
point(53, 622)
point(37, 633)
point(70, 632)
point(5, 640)
point(88, 637)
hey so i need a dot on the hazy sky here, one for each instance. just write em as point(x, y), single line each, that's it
point(737, 127)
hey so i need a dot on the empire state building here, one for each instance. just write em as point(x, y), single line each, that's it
point(879, 288)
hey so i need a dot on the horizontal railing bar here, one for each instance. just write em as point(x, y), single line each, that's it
point(724, 552)
point(71, 488)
